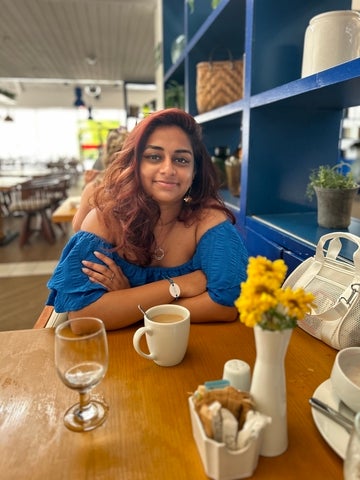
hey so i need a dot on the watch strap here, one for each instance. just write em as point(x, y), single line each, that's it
point(174, 288)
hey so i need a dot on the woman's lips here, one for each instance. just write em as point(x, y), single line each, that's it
point(164, 183)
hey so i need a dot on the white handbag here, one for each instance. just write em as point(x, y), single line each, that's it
point(335, 284)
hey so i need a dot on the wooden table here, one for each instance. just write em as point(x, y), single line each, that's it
point(8, 183)
point(148, 432)
point(66, 211)
point(26, 172)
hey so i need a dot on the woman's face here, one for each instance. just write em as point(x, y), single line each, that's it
point(167, 165)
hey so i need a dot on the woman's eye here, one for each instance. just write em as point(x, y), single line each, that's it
point(153, 157)
point(182, 160)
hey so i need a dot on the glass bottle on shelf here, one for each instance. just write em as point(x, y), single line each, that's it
point(233, 171)
point(221, 153)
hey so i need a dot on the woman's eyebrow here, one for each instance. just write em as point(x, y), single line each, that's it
point(179, 150)
point(184, 150)
point(154, 147)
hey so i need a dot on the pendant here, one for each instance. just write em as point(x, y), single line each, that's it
point(159, 253)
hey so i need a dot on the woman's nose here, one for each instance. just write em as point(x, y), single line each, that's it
point(167, 165)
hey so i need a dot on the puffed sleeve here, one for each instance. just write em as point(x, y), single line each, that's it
point(70, 288)
point(222, 256)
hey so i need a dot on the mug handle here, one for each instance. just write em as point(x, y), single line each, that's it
point(136, 342)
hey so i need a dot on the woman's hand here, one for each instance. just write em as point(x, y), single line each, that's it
point(107, 274)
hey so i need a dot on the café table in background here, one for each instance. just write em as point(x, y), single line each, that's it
point(33, 172)
point(148, 432)
point(66, 211)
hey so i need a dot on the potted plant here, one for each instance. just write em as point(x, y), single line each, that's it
point(335, 193)
point(174, 95)
point(191, 3)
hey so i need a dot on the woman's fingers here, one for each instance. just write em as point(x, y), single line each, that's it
point(107, 273)
point(108, 280)
point(96, 267)
point(104, 258)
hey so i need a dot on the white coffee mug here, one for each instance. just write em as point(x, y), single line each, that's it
point(166, 328)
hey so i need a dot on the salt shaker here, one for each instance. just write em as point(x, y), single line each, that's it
point(238, 374)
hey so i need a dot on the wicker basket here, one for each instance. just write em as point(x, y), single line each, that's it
point(218, 83)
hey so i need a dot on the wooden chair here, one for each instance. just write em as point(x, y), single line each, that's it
point(58, 185)
point(5, 202)
point(60, 189)
point(34, 202)
point(48, 318)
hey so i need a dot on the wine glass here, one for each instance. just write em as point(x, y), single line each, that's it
point(81, 360)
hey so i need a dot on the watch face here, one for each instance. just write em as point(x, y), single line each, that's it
point(174, 290)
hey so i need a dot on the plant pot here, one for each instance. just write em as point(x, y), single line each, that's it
point(334, 206)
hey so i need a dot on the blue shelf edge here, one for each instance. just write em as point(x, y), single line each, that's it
point(290, 92)
point(299, 232)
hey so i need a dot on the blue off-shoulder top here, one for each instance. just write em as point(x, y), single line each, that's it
point(220, 254)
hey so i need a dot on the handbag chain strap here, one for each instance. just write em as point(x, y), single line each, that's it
point(355, 288)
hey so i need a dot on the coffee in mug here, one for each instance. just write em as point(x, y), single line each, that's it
point(166, 318)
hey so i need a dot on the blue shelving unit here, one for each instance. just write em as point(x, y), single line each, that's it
point(289, 125)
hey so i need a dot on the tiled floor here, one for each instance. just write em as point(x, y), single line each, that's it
point(24, 273)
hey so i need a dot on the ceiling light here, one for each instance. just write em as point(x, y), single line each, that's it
point(79, 102)
point(8, 118)
point(140, 86)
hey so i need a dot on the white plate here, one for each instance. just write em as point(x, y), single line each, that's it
point(335, 435)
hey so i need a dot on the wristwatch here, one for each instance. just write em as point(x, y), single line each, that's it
point(174, 288)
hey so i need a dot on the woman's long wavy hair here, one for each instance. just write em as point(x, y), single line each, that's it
point(128, 211)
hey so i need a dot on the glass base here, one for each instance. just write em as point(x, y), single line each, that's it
point(88, 418)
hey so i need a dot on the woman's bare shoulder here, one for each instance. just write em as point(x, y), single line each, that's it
point(94, 223)
point(209, 218)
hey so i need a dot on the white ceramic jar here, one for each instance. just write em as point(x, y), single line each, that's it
point(330, 39)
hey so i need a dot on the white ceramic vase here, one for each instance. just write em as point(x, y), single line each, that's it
point(330, 39)
point(268, 387)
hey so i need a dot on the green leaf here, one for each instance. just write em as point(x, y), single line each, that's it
point(326, 176)
point(191, 4)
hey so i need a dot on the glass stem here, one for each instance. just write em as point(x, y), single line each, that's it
point(86, 409)
point(84, 401)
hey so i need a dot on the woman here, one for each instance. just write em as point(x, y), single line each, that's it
point(159, 233)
